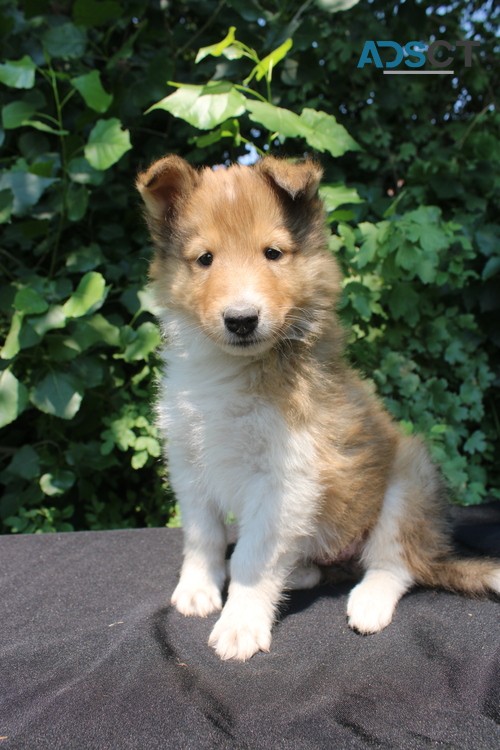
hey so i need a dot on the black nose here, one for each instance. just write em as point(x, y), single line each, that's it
point(241, 322)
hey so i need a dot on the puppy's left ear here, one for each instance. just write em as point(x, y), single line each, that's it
point(299, 180)
point(165, 185)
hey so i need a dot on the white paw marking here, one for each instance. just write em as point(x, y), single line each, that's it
point(371, 606)
point(234, 638)
point(197, 600)
point(494, 581)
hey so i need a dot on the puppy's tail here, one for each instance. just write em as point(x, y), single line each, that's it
point(465, 575)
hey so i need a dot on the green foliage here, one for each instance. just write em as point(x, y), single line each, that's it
point(411, 190)
point(77, 358)
point(221, 102)
point(401, 297)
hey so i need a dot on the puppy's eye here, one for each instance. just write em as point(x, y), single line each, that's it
point(272, 253)
point(205, 260)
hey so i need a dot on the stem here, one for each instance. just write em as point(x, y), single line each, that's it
point(6, 272)
point(248, 90)
point(251, 143)
point(47, 117)
point(200, 31)
point(67, 98)
point(473, 125)
point(300, 11)
point(268, 88)
point(64, 166)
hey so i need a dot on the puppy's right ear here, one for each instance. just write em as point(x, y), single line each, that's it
point(165, 185)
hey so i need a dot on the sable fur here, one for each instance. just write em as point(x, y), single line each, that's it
point(363, 484)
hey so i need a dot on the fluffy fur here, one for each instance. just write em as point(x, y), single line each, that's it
point(266, 420)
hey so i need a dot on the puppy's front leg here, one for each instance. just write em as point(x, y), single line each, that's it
point(259, 568)
point(203, 570)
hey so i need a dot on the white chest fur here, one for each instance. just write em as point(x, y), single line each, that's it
point(227, 444)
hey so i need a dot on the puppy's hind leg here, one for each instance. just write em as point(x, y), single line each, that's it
point(303, 577)
point(372, 602)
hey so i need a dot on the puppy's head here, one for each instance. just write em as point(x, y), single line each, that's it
point(240, 251)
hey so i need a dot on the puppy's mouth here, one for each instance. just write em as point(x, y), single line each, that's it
point(245, 342)
point(253, 344)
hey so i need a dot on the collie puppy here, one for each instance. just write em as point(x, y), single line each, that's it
point(266, 420)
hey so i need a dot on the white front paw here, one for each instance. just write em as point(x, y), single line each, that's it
point(240, 637)
point(369, 609)
point(196, 599)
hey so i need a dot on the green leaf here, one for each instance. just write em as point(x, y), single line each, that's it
point(338, 194)
point(106, 144)
point(15, 114)
point(320, 130)
point(82, 173)
point(88, 297)
point(439, 429)
point(63, 348)
point(43, 127)
point(57, 483)
point(266, 65)
point(18, 74)
point(360, 298)
point(85, 258)
point(89, 370)
point(275, 119)
point(403, 303)
point(476, 443)
point(487, 238)
point(66, 41)
point(323, 132)
point(53, 319)
point(29, 302)
point(216, 50)
point(205, 107)
point(334, 6)
point(21, 336)
point(228, 129)
point(407, 256)
point(77, 201)
point(57, 394)
point(137, 299)
point(13, 398)
point(12, 344)
point(149, 444)
point(145, 341)
point(19, 113)
point(347, 234)
point(90, 87)
point(27, 189)
point(491, 268)
point(139, 459)
point(25, 464)
point(368, 250)
point(104, 330)
point(426, 268)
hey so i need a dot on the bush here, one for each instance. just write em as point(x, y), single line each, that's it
point(415, 230)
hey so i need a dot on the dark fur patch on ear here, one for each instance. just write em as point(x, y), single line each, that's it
point(164, 185)
point(297, 179)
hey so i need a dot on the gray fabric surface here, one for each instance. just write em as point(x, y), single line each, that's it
point(92, 656)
